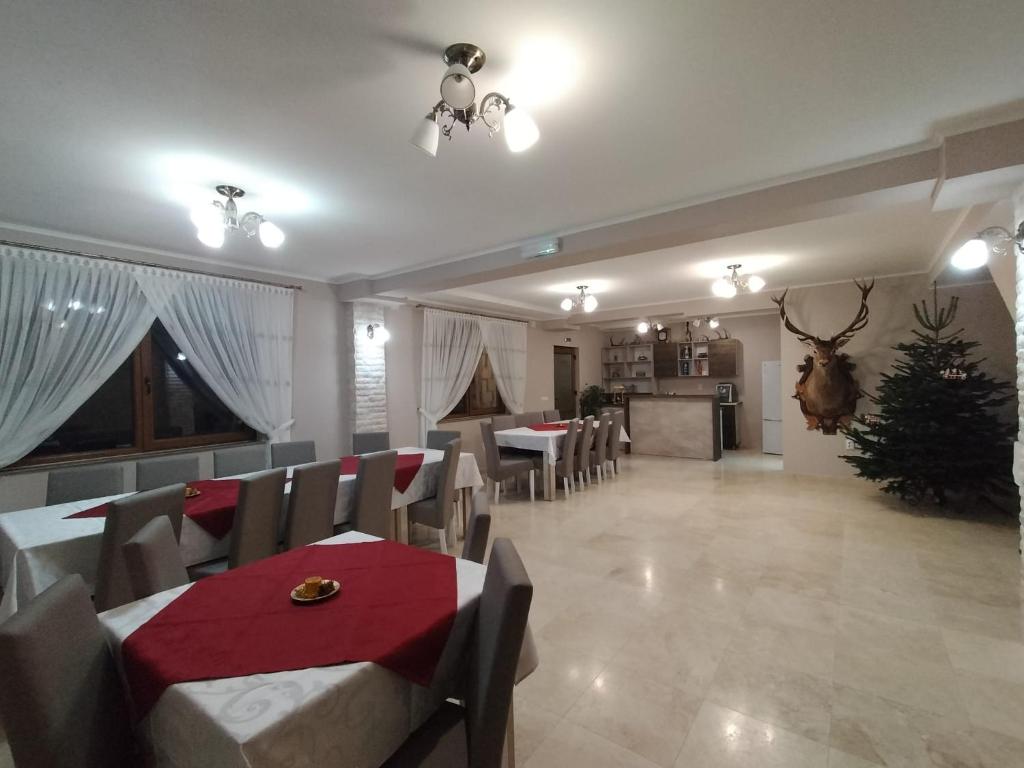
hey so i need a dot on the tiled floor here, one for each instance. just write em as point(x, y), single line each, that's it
point(715, 615)
point(709, 615)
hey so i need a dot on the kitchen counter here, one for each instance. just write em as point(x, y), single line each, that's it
point(686, 426)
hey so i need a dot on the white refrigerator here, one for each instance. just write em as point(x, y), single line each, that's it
point(771, 407)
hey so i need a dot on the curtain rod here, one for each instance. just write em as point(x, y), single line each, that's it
point(477, 314)
point(36, 247)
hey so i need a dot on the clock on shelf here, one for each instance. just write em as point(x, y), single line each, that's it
point(663, 334)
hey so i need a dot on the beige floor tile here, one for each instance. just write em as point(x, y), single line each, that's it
point(774, 606)
point(986, 656)
point(533, 723)
point(996, 705)
point(572, 746)
point(724, 738)
point(637, 712)
point(839, 759)
point(996, 750)
point(782, 696)
point(559, 680)
point(787, 646)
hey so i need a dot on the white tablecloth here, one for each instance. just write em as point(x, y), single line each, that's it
point(548, 442)
point(347, 716)
point(38, 546)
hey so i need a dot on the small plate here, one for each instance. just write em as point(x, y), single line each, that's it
point(329, 588)
point(190, 492)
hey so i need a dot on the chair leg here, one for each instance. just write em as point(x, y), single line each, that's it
point(497, 491)
point(583, 485)
point(531, 486)
point(590, 480)
point(443, 538)
point(565, 486)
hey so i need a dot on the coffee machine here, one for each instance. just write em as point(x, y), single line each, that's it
point(726, 392)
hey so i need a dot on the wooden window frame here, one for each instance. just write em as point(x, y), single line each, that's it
point(143, 438)
point(476, 413)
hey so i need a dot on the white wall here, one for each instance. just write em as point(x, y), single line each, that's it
point(824, 310)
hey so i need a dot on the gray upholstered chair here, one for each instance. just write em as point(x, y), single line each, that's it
point(565, 467)
point(292, 454)
point(615, 439)
point(370, 442)
point(311, 503)
point(439, 438)
point(436, 512)
point(375, 481)
point(474, 736)
point(153, 559)
point(165, 470)
point(503, 422)
point(257, 525)
point(240, 461)
point(599, 453)
point(61, 701)
point(528, 418)
point(501, 467)
point(550, 416)
point(474, 546)
point(125, 518)
point(79, 483)
point(584, 445)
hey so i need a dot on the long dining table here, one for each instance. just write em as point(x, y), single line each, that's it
point(39, 546)
point(346, 715)
point(546, 440)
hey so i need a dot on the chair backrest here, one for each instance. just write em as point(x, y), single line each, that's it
point(311, 503)
point(474, 546)
point(550, 416)
point(572, 435)
point(292, 454)
point(125, 518)
point(500, 627)
point(503, 422)
point(61, 701)
point(153, 559)
point(165, 470)
point(600, 449)
point(257, 525)
point(439, 438)
point(84, 483)
point(444, 499)
point(585, 442)
point(528, 418)
point(375, 482)
point(370, 442)
point(492, 459)
point(614, 433)
point(239, 461)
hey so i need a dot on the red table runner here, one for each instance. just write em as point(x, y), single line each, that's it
point(213, 509)
point(406, 467)
point(548, 427)
point(396, 608)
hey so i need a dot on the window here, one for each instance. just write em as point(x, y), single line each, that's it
point(482, 398)
point(155, 401)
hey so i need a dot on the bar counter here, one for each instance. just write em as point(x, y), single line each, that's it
point(686, 426)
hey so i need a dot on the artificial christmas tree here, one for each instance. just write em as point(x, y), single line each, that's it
point(934, 431)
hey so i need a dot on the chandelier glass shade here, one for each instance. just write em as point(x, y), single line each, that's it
point(975, 252)
point(214, 220)
point(733, 283)
point(458, 105)
point(582, 301)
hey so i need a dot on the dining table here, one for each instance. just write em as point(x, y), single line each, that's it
point(546, 439)
point(229, 672)
point(41, 545)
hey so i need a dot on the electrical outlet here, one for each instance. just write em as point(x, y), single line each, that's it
point(849, 444)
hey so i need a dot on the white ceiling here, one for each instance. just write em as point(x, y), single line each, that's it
point(890, 241)
point(116, 115)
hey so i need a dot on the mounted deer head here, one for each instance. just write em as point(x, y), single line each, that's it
point(827, 390)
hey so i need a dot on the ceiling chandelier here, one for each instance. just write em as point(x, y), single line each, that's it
point(645, 325)
point(458, 105)
point(975, 252)
point(733, 283)
point(710, 322)
point(585, 301)
point(214, 220)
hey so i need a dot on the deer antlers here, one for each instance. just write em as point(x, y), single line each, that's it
point(859, 320)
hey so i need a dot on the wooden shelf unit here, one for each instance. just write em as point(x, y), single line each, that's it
point(632, 363)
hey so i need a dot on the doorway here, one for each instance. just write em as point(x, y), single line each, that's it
point(566, 378)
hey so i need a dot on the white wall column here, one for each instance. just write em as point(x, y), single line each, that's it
point(368, 392)
point(1018, 448)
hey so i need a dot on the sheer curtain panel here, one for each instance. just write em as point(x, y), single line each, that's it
point(452, 344)
point(505, 342)
point(237, 335)
point(66, 324)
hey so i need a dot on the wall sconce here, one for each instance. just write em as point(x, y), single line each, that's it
point(377, 334)
point(975, 252)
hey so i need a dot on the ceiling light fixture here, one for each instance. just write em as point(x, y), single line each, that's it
point(215, 219)
point(458, 105)
point(708, 320)
point(585, 301)
point(377, 334)
point(975, 252)
point(645, 325)
point(733, 283)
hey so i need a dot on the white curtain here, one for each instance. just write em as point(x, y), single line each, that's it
point(238, 337)
point(452, 344)
point(505, 342)
point(66, 324)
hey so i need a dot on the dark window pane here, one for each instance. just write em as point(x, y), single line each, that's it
point(183, 405)
point(103, 423)
point(481, 397)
